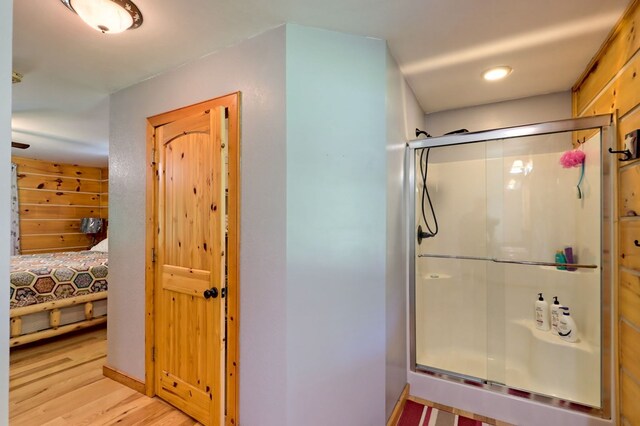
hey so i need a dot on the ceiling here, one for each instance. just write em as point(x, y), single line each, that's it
point(442, 46)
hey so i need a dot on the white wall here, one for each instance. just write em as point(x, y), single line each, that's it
point(403, 116)
point(536, 109)
point(336, 208)
point(314, 336)
point(6, 38)
point(257, 68)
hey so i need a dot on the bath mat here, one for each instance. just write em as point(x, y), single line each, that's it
point(417, 414)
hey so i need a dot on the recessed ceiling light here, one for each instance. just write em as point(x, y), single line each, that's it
point(497, 73)
point(107, 16)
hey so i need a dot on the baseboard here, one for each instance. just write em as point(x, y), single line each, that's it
point(123, 378)
point(397, 410)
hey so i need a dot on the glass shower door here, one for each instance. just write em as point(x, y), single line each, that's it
point(503, 208)
point(539, 209)
point(451, 313)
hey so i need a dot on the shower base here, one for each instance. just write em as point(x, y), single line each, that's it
point(548, 366)
point(473, 364)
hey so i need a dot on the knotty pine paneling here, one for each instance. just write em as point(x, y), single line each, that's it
point(53, 198)
point(628, 252)
point(621, 45)
point(626, 124)
point(611, 84)
point(629, 200)
point(30, 166)
point(630, 395)
point(53, 241)
point(622, 94)
point(629, 297)
point(59, 183)
point(58, 198)
point(630, 349)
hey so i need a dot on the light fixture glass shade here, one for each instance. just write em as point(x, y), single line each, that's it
point(107, 16)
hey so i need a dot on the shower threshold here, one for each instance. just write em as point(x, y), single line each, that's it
point(502, 388)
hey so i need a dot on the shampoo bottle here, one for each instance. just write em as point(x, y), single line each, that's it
point(568, 255)
point(542, 313)
point(560, 258)
point(556, 312)
point(567, 329)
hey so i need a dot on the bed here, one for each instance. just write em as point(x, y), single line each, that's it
point(55, 293)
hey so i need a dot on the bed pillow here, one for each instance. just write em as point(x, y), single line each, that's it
point(101, 246)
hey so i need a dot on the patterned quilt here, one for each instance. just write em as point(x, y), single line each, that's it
point(38, 278)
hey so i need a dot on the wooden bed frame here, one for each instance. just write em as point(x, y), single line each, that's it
point(54, 308)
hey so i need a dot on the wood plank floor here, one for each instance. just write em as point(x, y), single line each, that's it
point(60, 382)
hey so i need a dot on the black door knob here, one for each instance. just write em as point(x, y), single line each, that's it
point(212, 292)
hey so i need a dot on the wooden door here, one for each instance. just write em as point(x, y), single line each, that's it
point(190, 265)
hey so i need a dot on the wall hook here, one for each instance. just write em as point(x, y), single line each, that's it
point(636, 243)
point(627, 154)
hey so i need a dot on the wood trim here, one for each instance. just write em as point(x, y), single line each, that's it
point(167, 117)
point(397, 410)
point(150, 233)
point(233, 264)
point(51, 332)
point(232, 103)
point(125, 379)
point(458, 411)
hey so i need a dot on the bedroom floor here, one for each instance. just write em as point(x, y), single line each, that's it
point(60, 382)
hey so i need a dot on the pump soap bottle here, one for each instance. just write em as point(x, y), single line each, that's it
point(542, 313)
point(555, 315)
point(567, 329)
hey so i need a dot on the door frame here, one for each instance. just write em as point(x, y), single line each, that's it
point(232, 103)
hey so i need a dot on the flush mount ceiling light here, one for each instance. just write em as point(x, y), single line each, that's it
point(107, 16)
point(497, 73)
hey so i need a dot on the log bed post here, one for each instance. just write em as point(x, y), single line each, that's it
point(88, 310)
point(54, 308)
point(54, 318)
point(16, 326)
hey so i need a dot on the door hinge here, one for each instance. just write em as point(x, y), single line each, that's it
point(153, 157)
point(154, 258)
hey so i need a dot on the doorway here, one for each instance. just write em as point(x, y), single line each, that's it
point(192, 259)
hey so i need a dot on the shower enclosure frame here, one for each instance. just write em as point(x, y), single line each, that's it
point(603, 123)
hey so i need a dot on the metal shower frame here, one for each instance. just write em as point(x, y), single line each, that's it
point(603, 123)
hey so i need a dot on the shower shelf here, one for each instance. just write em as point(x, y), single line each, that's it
point(554, 269)
point(516, 262)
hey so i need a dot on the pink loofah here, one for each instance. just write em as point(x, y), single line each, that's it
point(573, 158)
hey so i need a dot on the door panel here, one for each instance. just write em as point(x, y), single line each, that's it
point(189, 321)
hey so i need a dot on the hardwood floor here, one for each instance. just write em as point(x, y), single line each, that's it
point(61, 383)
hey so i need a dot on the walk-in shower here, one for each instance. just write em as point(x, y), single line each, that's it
point(507, 210)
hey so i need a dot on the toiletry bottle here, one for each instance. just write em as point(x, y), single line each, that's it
point(568, 255)
point(560, 258)
point(567, 329)
point(555, 315)
point(542, 313)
